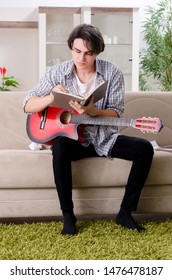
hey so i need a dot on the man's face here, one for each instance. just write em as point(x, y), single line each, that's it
point(82, 56)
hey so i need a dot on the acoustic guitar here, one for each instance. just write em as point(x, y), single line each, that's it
point(43, 127)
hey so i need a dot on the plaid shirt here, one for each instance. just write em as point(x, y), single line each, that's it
point(63, 74)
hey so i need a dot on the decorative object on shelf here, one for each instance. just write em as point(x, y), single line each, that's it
point(7, 81)
point(156, 58)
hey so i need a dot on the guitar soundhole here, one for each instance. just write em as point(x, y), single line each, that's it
point(65, 117)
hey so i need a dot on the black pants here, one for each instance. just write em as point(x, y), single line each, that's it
point(137, 150)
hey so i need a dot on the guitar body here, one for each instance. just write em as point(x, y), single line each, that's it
point(53, 126)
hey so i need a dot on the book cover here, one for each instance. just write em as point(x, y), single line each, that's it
point(61, 99)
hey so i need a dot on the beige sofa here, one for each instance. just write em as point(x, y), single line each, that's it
point(27, 186)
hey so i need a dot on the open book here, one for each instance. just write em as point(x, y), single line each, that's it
point(62, 99)
point(162, 148)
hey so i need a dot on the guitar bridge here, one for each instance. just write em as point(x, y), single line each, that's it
point(43, 118)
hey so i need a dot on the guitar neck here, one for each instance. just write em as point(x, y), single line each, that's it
point(100, 120)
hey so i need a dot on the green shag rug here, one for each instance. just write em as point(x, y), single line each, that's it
point(96, 240)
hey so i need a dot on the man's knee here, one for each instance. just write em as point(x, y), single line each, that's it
point(146, 148)
point(59, 145)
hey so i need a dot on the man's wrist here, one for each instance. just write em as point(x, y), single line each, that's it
point(95, 112)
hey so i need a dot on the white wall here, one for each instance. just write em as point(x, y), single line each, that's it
point(21, 57)
point(19, 46)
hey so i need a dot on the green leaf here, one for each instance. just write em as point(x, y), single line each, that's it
point(156, 58)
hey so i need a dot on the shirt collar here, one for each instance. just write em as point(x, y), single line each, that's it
point(70, 69)
point(98, 67)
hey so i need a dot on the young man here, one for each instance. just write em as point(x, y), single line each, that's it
point(80, 75)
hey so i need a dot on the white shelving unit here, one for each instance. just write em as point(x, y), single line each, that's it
point(119, 27)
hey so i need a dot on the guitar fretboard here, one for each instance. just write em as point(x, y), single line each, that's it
point(100, 120)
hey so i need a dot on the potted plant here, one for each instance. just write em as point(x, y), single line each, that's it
point(7, 81)
point(156, 58)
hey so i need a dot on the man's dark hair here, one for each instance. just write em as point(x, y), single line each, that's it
point(90, 34)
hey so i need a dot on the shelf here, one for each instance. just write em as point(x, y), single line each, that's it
point(59, 10)
point(119, 44)
point(56, 43)
point(65, 43)
point(18, 24)
point(104, 10)
point(77, 10)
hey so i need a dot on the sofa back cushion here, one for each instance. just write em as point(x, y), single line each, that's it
point(12, 121)
point(137, 104)
point(150, 104)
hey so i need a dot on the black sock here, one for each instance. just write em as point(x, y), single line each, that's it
point(69, 227)
point(125, 219)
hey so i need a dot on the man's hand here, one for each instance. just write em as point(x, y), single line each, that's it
point(60, 88)
point(90, 109)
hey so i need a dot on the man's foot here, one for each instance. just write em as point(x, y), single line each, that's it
point(126, 220)
point(69, 227)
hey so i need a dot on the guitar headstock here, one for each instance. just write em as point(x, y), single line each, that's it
point(151, 125)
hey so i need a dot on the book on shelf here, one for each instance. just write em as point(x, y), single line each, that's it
point(62, 99)
point(161, 148)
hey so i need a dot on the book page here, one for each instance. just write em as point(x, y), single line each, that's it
point(98, 93)
point(162, 148)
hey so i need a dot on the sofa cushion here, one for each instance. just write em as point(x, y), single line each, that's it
point(150, 104)
point(91, 172)
point(26, 169)
point(13, 121)
point(115, 172)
